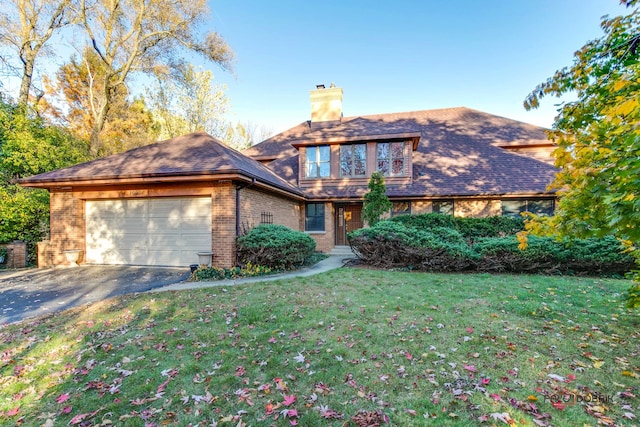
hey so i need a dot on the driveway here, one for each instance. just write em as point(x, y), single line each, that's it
point(34, 292)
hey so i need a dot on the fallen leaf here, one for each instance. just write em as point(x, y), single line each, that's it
point(63, 398)
point(289, 400)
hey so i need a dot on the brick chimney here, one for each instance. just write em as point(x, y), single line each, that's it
point(326, 104)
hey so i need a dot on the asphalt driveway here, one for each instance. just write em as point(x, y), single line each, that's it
point(34, 292)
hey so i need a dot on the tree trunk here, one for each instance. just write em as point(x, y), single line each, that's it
point(27, 77)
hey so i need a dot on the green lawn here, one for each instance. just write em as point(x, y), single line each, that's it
point(350, 347)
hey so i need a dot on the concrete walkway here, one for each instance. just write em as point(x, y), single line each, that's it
point(330, 263)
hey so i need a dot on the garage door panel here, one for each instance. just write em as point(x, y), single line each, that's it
point(148, 231)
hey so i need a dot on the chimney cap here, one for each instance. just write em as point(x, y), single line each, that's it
point(321, 86)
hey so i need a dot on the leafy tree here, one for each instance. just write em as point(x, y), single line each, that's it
point(28, 146)
point(75, 95)
point(189, 102)
point(598, 136)
point(135, 36)
point(376, 201)
point(26, 27)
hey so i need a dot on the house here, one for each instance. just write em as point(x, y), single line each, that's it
point(162, 203)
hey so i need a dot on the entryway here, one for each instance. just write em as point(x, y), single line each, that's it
point(348, 218)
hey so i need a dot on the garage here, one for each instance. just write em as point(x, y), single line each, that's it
point(153, 231)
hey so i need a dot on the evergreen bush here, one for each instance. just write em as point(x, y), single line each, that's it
point(275, 246)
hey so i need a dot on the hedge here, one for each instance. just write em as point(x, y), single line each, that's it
point(392, 244)
point(470, 228)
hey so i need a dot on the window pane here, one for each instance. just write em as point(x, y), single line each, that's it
point(397, 149)
point(312, 170)
point(314, 217)
point(444, 207)
point(346, 160)
point(383, 167)
point(401, 208)
point(360, 159)
point(540, 207)
point(311, 154)
point(513, 207)
point(398, 167)
point(383, 150)
point(324, 153)
point(325, 169)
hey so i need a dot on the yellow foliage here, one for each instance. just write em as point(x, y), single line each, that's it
point(522, 240)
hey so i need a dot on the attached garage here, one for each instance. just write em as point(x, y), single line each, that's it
point(161, 204)
point(154, 231)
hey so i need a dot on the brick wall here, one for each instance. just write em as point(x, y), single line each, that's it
point(16, 255)
point(67, 227)
point(223, 227)
point(257, 205)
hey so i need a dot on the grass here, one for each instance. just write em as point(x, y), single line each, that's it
point(411, 349)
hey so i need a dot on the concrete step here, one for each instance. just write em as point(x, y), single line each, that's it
point(341, 250)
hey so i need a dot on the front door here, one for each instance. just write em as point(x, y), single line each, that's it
point(348, 218)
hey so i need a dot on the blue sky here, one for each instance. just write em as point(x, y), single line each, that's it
point(402, 55)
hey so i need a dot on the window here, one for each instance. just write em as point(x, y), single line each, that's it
point(515, 207)
point(401, 208)
point(318, 162)
point(390, 158)
point(314, 217)
point(444, 207)
point(353, 160)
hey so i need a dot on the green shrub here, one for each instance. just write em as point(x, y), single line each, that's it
point(470, 228)
point(204, 274)
point(391, 244)
point(275, 246)
point(547, 255)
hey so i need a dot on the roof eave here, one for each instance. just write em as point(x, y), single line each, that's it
point(161, 179)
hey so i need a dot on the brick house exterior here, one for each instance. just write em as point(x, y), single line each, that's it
point(162, 203)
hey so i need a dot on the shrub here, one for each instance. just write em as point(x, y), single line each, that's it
point(547, 255)
point(391, 244)
point(470, 228)
point(275, 246)
point(217, 273)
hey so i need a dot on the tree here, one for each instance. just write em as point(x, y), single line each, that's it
point(26, 26)
point(75, 95)
point(598, 136)
point(136, 36)
point(28, 146)
point(376, 201)
point(189, 102)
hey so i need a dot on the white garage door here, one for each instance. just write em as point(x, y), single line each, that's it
point(162, 232)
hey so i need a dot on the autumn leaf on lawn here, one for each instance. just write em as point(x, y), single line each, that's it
point(556, 377)
point(289, 400)
point(12, 412)
point(63, 398)
point(502, 416)
point(470, 368)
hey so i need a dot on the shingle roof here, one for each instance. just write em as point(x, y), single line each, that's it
point(458, 153)
point(192, 155)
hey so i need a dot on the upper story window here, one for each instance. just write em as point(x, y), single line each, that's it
point(536, 206)
point(390, 158)
point(318, 162)
point(353, 160)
